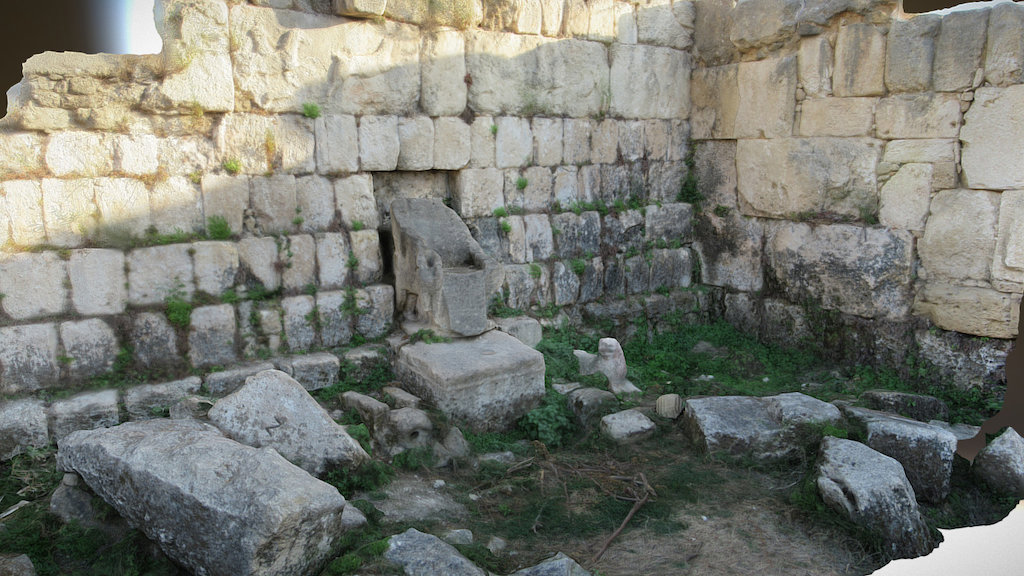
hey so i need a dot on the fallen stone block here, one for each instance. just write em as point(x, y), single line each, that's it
point(795, 408)
point(627, 426)
point(925, 451)
point(422, 554)
point(488, 381)
point(216, 507)
point(735, 424)
point(590, 404)
point(557, 565)
point(227, 381)
point(527, 330)
point(872, 490)
point(155, 400)
point(400, 398)
point(272, 410)
point(83, 412)
point(1001, 464)
point(313, 371)
point(916, 406)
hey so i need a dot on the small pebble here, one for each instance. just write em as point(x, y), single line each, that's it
point(438, 484)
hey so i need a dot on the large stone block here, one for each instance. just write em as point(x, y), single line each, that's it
point(359, 8)
point(314, 203)
point(904, 199)
point(547, 141)
point(783, 177)
point(226, 197)
point(478, 192)
point(918, 116)
point(211, 336)
point(872, 490)
point(919, 151)
point(154, 400)
point(513, 144)
point(298, 316)
point(1001, 464)
point(958, 50)
point(967, 309)
point(1004, 57)
point(649, 82)
point(960, 235)
point(576, 140)
point(993, 139)
point(379, 144)
point(216, 265)
point(22, 425)
point(729, 249)
point(337, 144)
point(860, 57)
point(312, 371)
point(910, 51)
point(33, 285)
point(258, 258)
point(861, 271)
point(86, 411)
point(176, 204)
point(481, 137)
point(452, 144)
point(767, 98)
point(443, 71)
point(1008, 264)
point(298, 253)
point(837, 117)
point(212, 504)
point(376, 306)
point(154, 341)
point(814, 66)
point(488, 381)
point(68, 209)
point(657, 24)
point(24, 200)
point(332, 250)
point(416, 143)
point(335, 320)
point(353, 196)
point(79, 153)
point(273, 203)
point(28, 358)
point(90, 347)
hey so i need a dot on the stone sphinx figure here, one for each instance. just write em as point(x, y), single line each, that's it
point(609, 361)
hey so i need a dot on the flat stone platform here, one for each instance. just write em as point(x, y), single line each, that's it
point(487, 382)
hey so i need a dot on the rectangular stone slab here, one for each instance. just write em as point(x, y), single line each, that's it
point(488, 381)
point(213, 505)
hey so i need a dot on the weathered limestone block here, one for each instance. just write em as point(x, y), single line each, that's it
point(298, 319)
point(379, 144)
point(794, 408)
point(419, 553)
point(227, 381)
point(807, 175)
point(226, 197)
point(443, 69)
point(978, 311)
point(925, 451)
point(366, 249)
point(452, 144)
point(216, 265)
point(154, 341)
point(576, 140)
point(602, 20)
point(86, 411)
point(123, 205)
point(539, 240)
point(904, 199)
point(627, 426)
point(669, 222)
point(1001, 464)
point(332, 250)
point(564, 283)
point(604, 142)
point(259, 258)
point(837, 117)
point(314, 203)
point(20, 152)
point(736, 424)
point(910, 51)
point(22, 425)
point(960, 236)
point(918, 116)
point(590, 182)
point(335, 323)
point(716, 172)
point(33, 285)
point(272, 410)
point(273, 203)
point(212, 504)
point(196, 57)
point(814, 66)
point(90, 347)
point(671, 268)
point(861, 271)
point(860, 57)
point(156, 272)
point(767, 101)
point(246, 138)
point(590, 404)
point(991, 137)
point(657, 139)
point(1008, 264)
point(442, 276)
point(211, 336)
point(24, 200)
point(359, 8)
point(631, 140)
point(28, 358)
point(337, 144)
point(488, 381)
point(79, 154)
point(730, 253)
point(565, 188)
point(416, 143)
point(579, 235)
point(529, 75)
point(312, 371)
point(478, 192)
point(482, 132)
point(154, 400)
point(525, 329)
point(69, 212)
point(176, 204)
point(911, 151)
point(958, 49)
point(557, 564)
point(873, 491)
point(547, 141)
point(1004, 58)
point(656, 23)
point(916, 406)
point(784, 322)
point(513, 144)
point(649, 82)
point(353, 197)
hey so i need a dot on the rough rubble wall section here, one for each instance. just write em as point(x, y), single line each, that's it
point(862, 175)
point(248, 170)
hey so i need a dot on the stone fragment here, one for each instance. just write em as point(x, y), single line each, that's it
point(413, 500)
point(1004, 57)
point(28, 358)
point(33, 285)
point(872, 490)
point(958, 49)
point(421, 554)
point(400, 398)
point(83, 412)
point(155, 400)
point(22, 425)
point(158, 272)
point(313, 371)
point(925, 451)
point(910, 51)
point(766, 112)
point(609, 361)
point(17, 565)
point(865, 272)
point(272, 410)
point(488, 381)
point(991, 136)
point(452, 144)
point(525, 329)
point(837, 117)
point(379, 146)
point(1001, 464)
point(212, 504)
point(959, 238)
point(860, 57)
point(649, 82)
point(669, 406)
point(916, 406)
point(211, 336)
point(337, 144)
point(589, 405)
point(905, 198)
point(90, 347)
point(735, 424)
point(795, 408)
point(926, 115)
point(627, 426)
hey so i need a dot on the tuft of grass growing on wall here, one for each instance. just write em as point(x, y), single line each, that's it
point(311, 110)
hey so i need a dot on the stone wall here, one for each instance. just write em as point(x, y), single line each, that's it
point(861, 174)
point(246, 173)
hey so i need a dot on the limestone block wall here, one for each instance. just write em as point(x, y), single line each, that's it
point(246, 173)
point(864, 167)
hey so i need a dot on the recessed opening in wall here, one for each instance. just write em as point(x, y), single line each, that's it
point(945, 6)
point(89, 26)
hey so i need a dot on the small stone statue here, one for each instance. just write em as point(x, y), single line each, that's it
point(609, 361)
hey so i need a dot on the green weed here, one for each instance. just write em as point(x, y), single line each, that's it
point(217, 228)
point(311, 110)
